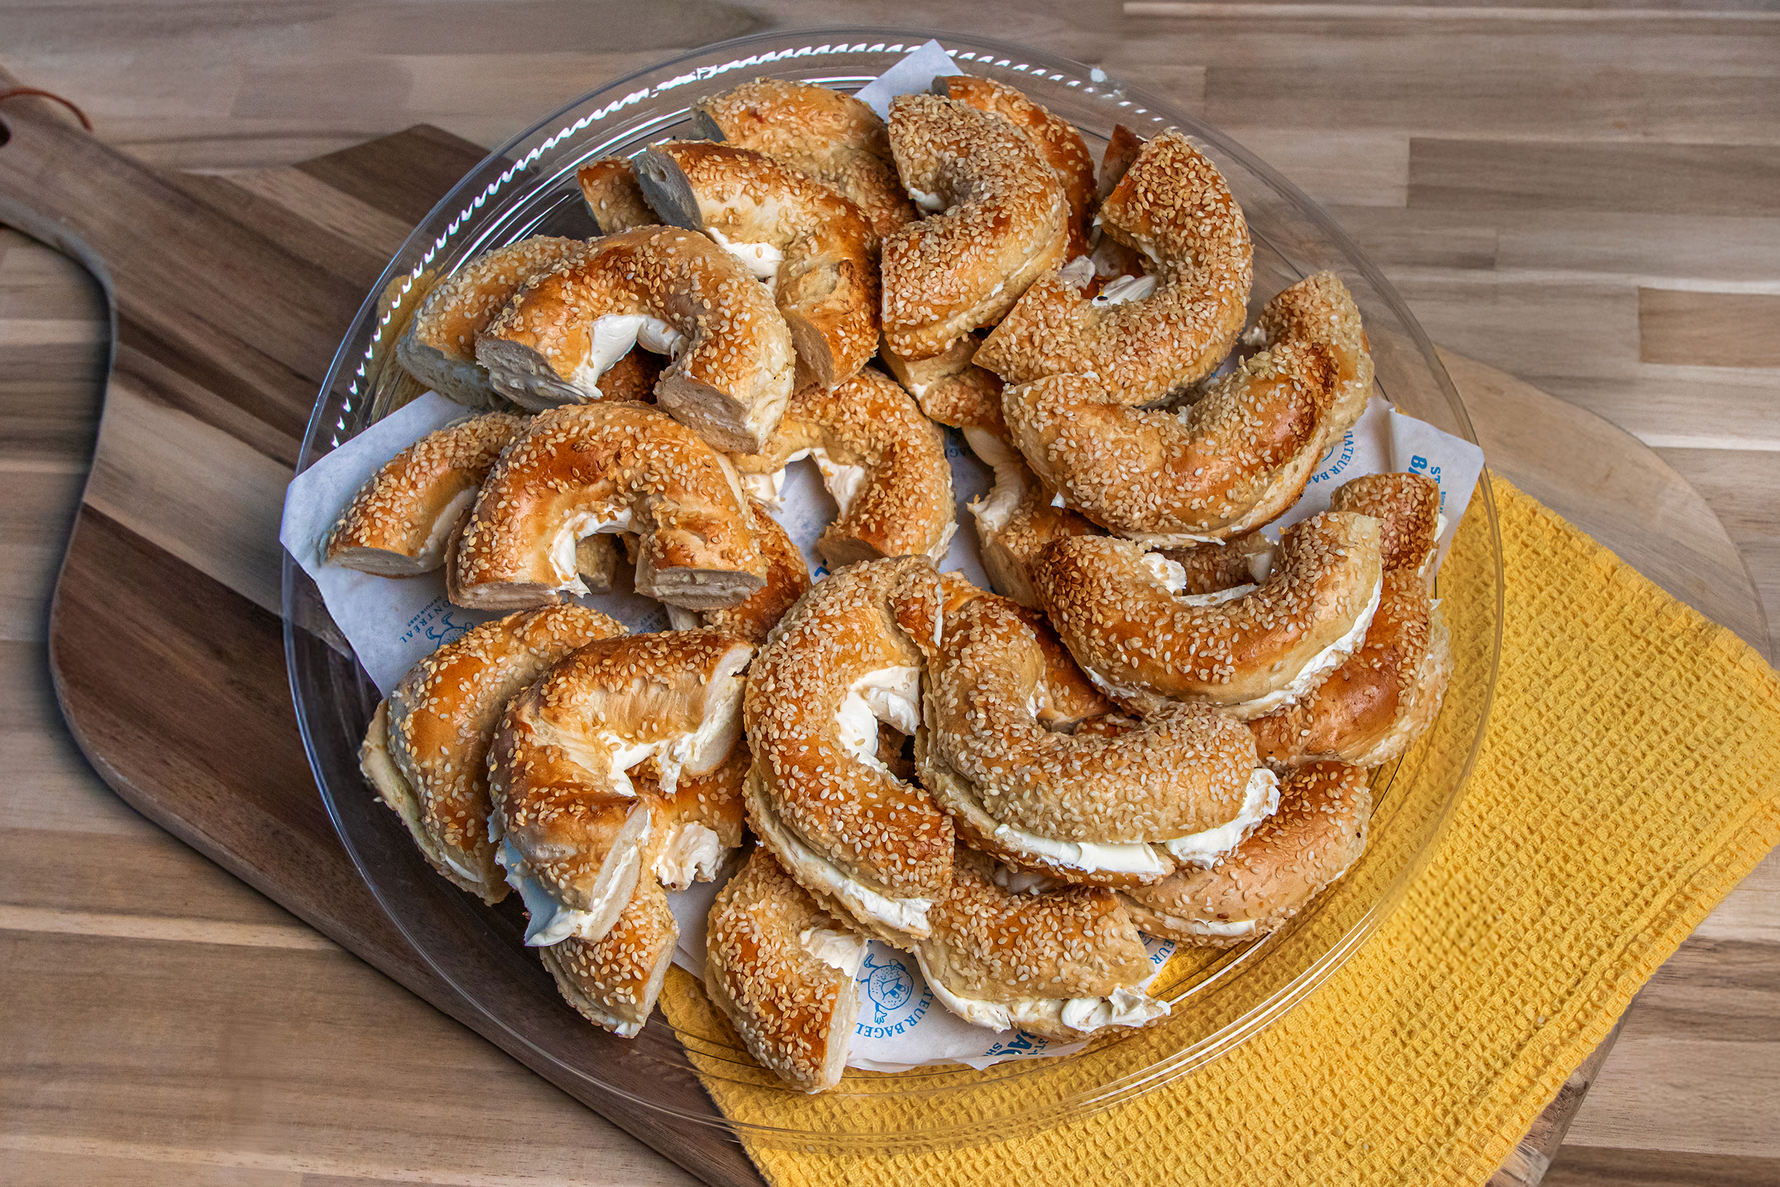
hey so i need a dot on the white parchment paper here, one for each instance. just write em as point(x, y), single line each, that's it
point(391, 624)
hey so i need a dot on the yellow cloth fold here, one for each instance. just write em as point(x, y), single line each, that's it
point(1629, 778)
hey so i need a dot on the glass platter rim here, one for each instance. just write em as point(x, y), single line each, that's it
point(779, 45)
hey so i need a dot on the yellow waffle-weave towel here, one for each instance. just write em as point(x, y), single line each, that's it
point(1629, 778)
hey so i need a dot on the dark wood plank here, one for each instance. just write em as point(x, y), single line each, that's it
point(402, 175)
point(242, 794)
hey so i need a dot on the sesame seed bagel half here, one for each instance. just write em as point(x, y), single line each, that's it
point(815, 247)
point(872, 848)
point(572, 826)
point(613, 981)
point(1248, 650)
point(613, 196)
point(1236, 459)
point(1056, 138)
point(1108, 810)
point(401, 520)
point(1388, 692)
point(781, 969)
point(1315, 837)
point(1000, 220)
point(1060, 963)
point(821, 133)
point(883, 462)
point(671, 290)
point(439, 346)
point(1017, 519)
point(589, 468)
point(1157, 335)
point(787, 579)
point(427, 747)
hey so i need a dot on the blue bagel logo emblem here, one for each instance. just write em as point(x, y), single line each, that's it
point(890, 989)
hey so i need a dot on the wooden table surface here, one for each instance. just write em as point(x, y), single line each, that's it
point(1588, 199)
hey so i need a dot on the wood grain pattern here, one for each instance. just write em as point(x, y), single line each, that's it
point(1708, 329)
point(1323, 89)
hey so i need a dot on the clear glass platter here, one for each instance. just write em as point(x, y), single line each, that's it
point(1220, 998)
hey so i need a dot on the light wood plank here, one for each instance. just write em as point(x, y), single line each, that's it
point(1697, 179)
point(147, 1089)
point(1706, 329)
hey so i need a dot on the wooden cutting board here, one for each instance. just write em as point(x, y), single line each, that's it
point(230, 297)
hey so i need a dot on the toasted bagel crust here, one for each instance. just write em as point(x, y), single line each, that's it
point(986, 753)
point(1031, 954)
point(899, 503)
point(1315, 837)
point(613, 981)
point(399, 522)
point(1005, 221)
point(793, 1010)
point(614, 197)
point(439, 346)
point(1056, 138)
point(735, 365)
point(1146, 646)
point(787, 579)
point(1387, 693)
point(585, 467)
point(824, 134)
point(842, 825)
point(826, 279)
point(426, 750)
point(1237, 459)
point(558, 761)
point(1171, 205)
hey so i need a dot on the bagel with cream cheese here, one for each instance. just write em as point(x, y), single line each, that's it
point(1000, 220)
point(1149, 337)
point(872, 848)
point(1247, 651)
point(781, 969)
point(613, 196)
point(1387, 693)
point(882, 461)
point(950, 388)
point(1315, 837)
point(1109, 810)
point(439, 346)
point(426, 749)
point(1056, 138)
point(670, 290)
point(571, 825)
point(614, 981)
point(787, 579)
point(1017, 519)
point(1236, 459)
point(815, 248)
point(821, 133)
point(1061, 964)
point(588, 468)
point(401, 520)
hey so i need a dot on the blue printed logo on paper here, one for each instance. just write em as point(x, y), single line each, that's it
point(894, 1006)
point(438, 622)
point(1335, 458)
point(446, 629)
point(1021, 1044)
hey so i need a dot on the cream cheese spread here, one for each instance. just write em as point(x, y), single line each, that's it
point(550, 921)
point(840, 950)
point(761, 259)
point(1314, 672)
point(1260, 799)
